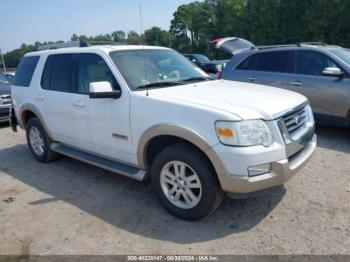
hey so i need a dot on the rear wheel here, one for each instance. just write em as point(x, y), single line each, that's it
point(185, 182)
point(39, 142)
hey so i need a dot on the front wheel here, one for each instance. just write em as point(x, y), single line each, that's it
point(185, 182)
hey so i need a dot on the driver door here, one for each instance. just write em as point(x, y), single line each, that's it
point(103, 123)
point(328, 95)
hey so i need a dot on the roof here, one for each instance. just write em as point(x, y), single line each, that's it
point(103, 48)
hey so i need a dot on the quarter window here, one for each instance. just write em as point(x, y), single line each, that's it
point(25, 71)
point(277, 61)
point(312, 63)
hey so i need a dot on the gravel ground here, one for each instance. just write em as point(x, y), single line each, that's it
point(68, 207)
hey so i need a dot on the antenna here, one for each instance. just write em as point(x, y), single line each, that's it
point(143, 45)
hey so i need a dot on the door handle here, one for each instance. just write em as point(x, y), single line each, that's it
point(296, 83)
point(40, 97)
point(79, 104)
point(252, 78)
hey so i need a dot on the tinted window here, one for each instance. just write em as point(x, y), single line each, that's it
point(312, 63)
point(45, 79)
point(59, 72)
point(269, 61)
point(93, 68)
point(25, 70)
point(202, 58)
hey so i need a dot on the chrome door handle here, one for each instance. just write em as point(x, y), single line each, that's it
point(296, 83)
point(252, 78)
point(40, 97)
point(79, 104)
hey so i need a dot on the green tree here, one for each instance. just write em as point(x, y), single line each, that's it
point(134, 38)
point(158, 37)
point(193, 27)
point(118, 36)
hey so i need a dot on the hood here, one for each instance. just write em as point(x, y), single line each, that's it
point(248, 101)
point(5, 89)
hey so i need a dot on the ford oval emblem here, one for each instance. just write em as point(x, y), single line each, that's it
point(297, 119)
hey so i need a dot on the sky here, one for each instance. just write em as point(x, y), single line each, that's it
point(28, 21)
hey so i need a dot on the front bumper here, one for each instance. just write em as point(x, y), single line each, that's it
point(281, 171)
point(4, 113)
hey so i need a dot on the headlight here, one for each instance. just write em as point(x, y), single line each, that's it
point(310, 114)
point(244, 133)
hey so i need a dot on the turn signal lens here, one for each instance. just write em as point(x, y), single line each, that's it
point(225, 132)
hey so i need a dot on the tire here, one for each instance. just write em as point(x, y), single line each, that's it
point(39, 147)
point(207, 191)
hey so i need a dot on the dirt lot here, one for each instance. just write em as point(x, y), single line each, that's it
point(68, 207)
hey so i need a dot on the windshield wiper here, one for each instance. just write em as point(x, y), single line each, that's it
point(196, 78)
point(158, 84)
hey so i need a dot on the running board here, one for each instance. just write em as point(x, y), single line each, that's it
point(110, 165)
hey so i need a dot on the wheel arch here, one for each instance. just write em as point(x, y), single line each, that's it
point(28, 111)
point(181, 133)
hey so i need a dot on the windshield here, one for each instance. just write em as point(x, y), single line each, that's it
point(343, 54)
point(155, 68)
point(3, 79)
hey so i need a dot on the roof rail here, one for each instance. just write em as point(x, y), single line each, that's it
point(311, 43)
point(272, 46)
point(90, 43)
point(75, 44)
point(62, 45)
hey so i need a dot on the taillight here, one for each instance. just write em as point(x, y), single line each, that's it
point(218, 75)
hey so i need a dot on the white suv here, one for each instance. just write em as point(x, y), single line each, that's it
point(144, 111)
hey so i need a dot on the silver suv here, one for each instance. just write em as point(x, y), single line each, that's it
point(318, 71)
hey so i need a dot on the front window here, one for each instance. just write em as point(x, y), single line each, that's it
point(312, 63)
point(343, 54)
point(155, 68)
point(3, 79)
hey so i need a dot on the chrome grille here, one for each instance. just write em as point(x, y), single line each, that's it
point(295, 120)
point(6, 99)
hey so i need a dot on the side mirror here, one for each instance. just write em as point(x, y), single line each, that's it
point(103, 89)
point(332, 71)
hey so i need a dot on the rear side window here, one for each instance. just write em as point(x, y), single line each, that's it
point(59, 73)
point(277, 61)
point(25, 71)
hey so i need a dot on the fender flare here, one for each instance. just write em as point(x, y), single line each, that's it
point(185, 133)
point(34, 110)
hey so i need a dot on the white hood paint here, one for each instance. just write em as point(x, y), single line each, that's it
point(248, 101)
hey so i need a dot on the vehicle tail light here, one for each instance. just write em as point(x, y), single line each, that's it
point(218, 75)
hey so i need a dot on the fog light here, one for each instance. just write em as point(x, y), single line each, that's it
point(259, 170)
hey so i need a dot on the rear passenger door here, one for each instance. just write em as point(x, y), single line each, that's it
point(56, 97)
point(266, 68)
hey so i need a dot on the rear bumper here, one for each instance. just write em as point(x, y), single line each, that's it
point(281, 171)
